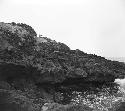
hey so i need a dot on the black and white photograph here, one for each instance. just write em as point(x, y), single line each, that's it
point(62, 55)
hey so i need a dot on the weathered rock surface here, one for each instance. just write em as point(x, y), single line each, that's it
point(38, 64)
point(45, 60)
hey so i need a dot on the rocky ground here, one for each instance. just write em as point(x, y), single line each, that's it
point(40, 74)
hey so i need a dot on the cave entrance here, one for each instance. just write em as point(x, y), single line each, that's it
point(12, 72)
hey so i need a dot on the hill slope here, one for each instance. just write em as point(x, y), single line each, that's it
point(32, 64)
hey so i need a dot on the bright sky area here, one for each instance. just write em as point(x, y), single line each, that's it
point(93, 26)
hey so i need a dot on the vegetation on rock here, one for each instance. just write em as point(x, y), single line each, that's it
point(36, 71)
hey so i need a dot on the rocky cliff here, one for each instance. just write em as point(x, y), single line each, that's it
point(35, 70)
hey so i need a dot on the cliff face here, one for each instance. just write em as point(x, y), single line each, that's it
point(49, 60)
point(26, 59)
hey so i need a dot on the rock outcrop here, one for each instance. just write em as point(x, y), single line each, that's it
point(28, 61)
point(49, 61)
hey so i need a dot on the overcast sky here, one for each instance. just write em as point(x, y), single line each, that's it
point(93, 26)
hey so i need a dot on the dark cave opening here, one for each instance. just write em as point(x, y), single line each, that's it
point(12, 71)
point(16, 75)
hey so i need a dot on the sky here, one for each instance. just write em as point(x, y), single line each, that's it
point(93, 26)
